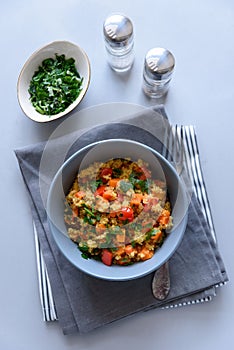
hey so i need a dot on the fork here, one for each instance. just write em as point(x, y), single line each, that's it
point(173, 151)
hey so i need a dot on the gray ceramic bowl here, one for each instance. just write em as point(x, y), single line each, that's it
point(105, 150)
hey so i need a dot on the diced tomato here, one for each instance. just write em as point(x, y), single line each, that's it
point(126, 214)
point(149, 203)
point(112, 214)
point(146, 174)
point(74, 212)
point(142, 176)
point(147, 225)
point(80, 194)
point(106, 174)
point(100, 190)
point(120, 197)
point(107, 257)
point(147, 207)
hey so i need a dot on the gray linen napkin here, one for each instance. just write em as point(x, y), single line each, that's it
point(84, 303)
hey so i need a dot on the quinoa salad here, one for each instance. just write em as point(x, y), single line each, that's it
point(116, 212)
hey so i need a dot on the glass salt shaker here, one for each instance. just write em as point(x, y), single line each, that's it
point(118, 36)
point(157, 73)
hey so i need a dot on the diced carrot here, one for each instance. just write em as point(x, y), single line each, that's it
point(164, 217)
point(128, 249)
point(157, 236)
point(113, 182)
point(100, 228)
point(120, 238)
point(107, 257)
point(80, 194)
point(112, 214)
point(145, 254)
point(124, 261)
point(164, 220)
point(120, 251)
point(109, 195)
point(136, 199)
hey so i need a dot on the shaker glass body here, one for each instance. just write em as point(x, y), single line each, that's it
point(118, 36)
point(157, 73)
point(155, 88)
point(120, 58)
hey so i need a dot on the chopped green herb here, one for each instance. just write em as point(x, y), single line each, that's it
point(89, 220)
point(98, 217)
point(125, 186)
point(115, 230)
point(85, 256)
point(91, 215)
point(88, 211)
point(95, 184)
point(83, 247)
point(137, 183)
point(151, 233)
point(125, 222)
point(143, 184)
point(84, 251)
point(117, 172)
point(55, 85)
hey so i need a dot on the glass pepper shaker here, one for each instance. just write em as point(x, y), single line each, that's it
point(118, 36)
point(157, 73)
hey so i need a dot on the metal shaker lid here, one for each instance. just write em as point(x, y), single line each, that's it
point(118, 29)
point(159, 63)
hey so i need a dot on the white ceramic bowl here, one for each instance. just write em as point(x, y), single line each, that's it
point(57, 47)
point(102, 151)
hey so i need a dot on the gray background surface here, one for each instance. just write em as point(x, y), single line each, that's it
point(200, 34)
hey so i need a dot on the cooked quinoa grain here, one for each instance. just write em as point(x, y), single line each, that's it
point(116, 212)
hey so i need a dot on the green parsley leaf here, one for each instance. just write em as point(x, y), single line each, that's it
point(55, 85)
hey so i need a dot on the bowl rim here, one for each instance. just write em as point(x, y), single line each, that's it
point(132, 275)
point(46, 118)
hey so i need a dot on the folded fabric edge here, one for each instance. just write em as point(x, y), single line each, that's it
point(194, 169)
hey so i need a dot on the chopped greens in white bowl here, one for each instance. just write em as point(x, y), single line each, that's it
point(53, 81)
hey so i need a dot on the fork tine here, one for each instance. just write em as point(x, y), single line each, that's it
point(173, 147)
point(165, 150)
point(177, 148)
